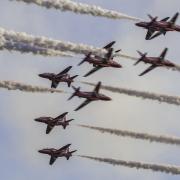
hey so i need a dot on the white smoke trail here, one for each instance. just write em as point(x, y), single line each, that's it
point(27, 48)
point(68, 5)
point(143, 136)
point(48, 43)
point(145, 95)
point(10, 85)
point(138, 165)
point(125, 56)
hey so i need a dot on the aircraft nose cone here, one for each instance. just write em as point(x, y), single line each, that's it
point(108, 98)
point(119, 66)
point(41, 151)
point(37, 120)
point(138, 24)
point(42, 75)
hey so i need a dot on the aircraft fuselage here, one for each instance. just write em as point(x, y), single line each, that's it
point(158, 26)
point(54, 122)
point(55, 152)
point(101, 62)
point(158, 62)
point(93, 96)
point(57, 78)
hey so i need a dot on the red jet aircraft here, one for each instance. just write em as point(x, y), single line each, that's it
point(154, 61)
point(52, 122)
point(156, 28)
point(101, 62)
point(90, 96)
point(61, 77)
point(55, 153)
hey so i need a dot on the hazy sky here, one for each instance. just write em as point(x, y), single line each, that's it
point(21, 137)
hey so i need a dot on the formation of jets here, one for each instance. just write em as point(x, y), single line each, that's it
point(155, 28)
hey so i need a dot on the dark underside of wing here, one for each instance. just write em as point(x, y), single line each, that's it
point(65, 70)
point(61, 116)
point(52, 160)
point(93, 71)
point(148, 70)
point(54, 84)
point(149, 34)
point(83, 104)
point(49, 129)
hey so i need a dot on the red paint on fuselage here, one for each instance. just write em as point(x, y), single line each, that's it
point(159, 25)
point(57, 78)
point(158, 62)
point(101, 62)
point(92, 96)
point(54, 152)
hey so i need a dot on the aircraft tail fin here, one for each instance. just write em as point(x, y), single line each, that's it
point(66, 123)
point(75, 92)
point(85, 59)
point(141, 58)
point(72, 79)
point(70, 154)
point(174, 18)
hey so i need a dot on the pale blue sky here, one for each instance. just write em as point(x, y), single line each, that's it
point(21, 137)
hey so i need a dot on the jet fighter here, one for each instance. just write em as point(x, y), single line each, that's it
point(154, 61)
point(61, 77)
point(94, 59)
point(55, 153)
point(90, 96)
point(52, 122)
point(156, 28)
point(107, 61)
point(89, 57)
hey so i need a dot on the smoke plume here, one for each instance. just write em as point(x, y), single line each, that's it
point(48, 43)
point(142, 94)
point(27, 48)
point(68, 5)
point(10, 85)
point(138, 165)
point(136, 135)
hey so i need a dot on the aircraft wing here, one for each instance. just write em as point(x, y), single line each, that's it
point(109, 45)
point(147, 70)
point(158, 34)
point(97, 88)
point(163, 54)
point(174, 18)
point(52, 160)
point(93, 70)
point(149, 34)
point(64, 147)
point(62, 115)
point(165, 19)
point(54, 84)
point(65, 71)
point(49, 128)
point(83, 104)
